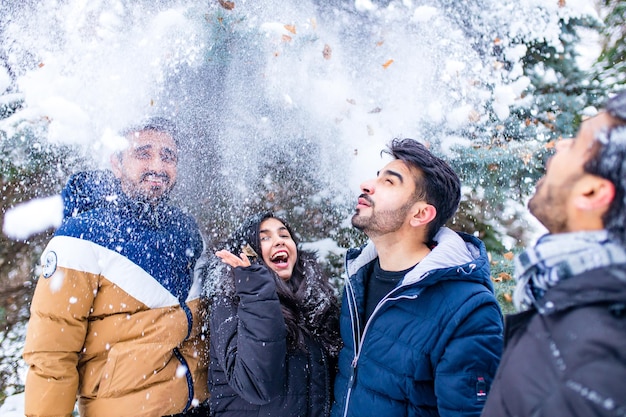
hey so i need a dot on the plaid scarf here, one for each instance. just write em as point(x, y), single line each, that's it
point(558, 257)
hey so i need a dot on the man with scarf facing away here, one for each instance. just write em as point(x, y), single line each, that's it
point(115, 319)
point(565, 353)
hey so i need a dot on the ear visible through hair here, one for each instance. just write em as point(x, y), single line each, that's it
point(423, 213)
point(596, 194)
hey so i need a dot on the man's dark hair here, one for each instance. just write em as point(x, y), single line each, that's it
point(438, 184)
point(158, 124)
point(609, 162)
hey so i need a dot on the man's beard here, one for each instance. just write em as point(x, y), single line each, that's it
point(383, 222)
point(157, 198)
point(152, 195)
point(549, 207)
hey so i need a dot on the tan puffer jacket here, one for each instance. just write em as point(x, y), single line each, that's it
point(104, 329)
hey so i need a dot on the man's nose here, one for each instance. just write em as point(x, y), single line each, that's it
point(156, 164)
point(563, 144)
point(367, 187)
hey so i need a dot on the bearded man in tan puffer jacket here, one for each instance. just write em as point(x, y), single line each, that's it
point(115, 319)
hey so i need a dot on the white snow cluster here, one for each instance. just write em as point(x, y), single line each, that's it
point(97, 65)
point(33, 217)
point(90, 68)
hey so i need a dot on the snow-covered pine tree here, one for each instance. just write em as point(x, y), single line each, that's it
point(610, 69)
point(510, 155)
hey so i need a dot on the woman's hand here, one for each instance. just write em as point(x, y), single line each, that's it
point(233, 260)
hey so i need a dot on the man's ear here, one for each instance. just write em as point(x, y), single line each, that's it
point(595, 194)
point(423, 213)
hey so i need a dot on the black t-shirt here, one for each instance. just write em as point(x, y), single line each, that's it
point(380, 283)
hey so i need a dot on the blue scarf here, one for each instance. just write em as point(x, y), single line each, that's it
point(558, 257)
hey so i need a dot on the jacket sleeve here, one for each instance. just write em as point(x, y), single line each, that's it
point(250, 338)
point(54, 339)
point(465, 371)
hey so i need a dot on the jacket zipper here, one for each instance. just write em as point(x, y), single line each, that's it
point(359, 338)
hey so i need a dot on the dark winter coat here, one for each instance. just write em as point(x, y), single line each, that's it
point(432, 345)
point(252, 371)
point(568, 358)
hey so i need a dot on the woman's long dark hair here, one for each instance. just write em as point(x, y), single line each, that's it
point(309, 305)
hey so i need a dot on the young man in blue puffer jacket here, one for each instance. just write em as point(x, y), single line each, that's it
point(421, 326)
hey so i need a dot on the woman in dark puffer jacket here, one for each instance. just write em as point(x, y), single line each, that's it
point(274, 326)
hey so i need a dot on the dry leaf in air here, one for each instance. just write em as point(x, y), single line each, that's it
point(504, 276)
point(386, 64)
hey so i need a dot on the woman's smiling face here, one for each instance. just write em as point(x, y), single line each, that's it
point(278, 248)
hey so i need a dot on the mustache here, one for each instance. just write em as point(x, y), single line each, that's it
point(367, 198)
point(161, 175)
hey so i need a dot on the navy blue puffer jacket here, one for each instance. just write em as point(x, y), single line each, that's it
point(432, 345)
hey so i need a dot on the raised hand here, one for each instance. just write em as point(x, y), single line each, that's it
point(232, 259)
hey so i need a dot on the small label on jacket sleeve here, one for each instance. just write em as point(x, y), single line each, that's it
point(49, 264)
point(481, 389)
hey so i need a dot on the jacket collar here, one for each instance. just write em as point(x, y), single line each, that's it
point(600, 286)
point(90, 190)
point(451, 251)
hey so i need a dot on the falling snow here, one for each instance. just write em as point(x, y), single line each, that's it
point(290, 69)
